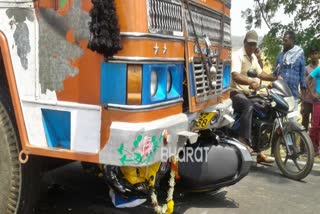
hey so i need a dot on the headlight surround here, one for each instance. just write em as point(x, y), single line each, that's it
point(291, 103)
point(153, 83)
point(158, 86)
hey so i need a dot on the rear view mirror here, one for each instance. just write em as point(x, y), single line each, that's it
point(252, 73)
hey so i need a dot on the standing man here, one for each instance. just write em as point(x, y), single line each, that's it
point(315, 125)
point(292, 65)
point(307, 98)
point(242, 61)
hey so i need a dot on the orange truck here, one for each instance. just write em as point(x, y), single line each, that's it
point(111, 83)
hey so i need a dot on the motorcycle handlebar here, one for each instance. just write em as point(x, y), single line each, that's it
point(261, 87)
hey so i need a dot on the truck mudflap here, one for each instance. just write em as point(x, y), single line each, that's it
point(222, 162)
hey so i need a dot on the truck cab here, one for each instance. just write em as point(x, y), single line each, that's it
point(100, 82)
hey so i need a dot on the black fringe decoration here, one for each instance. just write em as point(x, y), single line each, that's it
point(104, 28)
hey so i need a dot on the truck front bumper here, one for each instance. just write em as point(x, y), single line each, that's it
point(142, 144)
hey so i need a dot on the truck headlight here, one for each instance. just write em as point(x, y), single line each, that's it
point(134, 84)
point(226, 76)
point(215, 118)
point(154, 83)
point(169, 81)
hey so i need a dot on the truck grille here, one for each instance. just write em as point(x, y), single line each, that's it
point(205, 23)
point(202, 89)
point(228, 3)
point(165, 17)
point(227, 33)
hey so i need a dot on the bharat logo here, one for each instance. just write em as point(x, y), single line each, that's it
point(186, 154)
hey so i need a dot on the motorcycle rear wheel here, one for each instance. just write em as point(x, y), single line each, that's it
point(299, 163)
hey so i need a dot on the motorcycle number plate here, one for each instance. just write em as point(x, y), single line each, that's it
point(205, 119)
point(293, 114)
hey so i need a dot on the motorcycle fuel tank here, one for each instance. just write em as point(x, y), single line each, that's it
point(282, 88)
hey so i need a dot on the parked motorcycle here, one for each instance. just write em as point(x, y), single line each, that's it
point(217, 161)
point(273, 129)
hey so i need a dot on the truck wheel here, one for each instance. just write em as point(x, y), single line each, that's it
point(19, 184)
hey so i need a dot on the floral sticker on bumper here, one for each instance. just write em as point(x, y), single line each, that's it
point(144, 148)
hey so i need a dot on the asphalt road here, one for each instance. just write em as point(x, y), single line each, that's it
point(69, 190)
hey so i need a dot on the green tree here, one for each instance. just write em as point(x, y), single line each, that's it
point(305, 22)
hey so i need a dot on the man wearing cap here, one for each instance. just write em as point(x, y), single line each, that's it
point(242, 61)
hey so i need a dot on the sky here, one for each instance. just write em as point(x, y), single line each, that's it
point(238, 25)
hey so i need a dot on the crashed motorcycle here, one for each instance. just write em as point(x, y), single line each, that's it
point(208, 163)
point(217, 161)
point(273, 128)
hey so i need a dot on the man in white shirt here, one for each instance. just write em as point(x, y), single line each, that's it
point(242, 61)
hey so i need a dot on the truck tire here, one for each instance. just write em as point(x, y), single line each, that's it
point(19, 184)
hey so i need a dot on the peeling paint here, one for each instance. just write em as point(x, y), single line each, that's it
point(21, 33)
point(57, 54)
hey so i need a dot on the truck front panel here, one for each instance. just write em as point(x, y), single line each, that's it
point(76, 104)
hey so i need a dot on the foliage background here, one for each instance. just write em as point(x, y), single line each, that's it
point(304, 21)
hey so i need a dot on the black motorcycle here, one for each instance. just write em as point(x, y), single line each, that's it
point(273, 129)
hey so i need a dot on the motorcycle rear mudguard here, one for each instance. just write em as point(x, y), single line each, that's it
point(227, 162)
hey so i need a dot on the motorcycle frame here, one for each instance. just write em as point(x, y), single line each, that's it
point(277, 123)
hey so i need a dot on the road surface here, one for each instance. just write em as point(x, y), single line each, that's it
point(68, 190)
